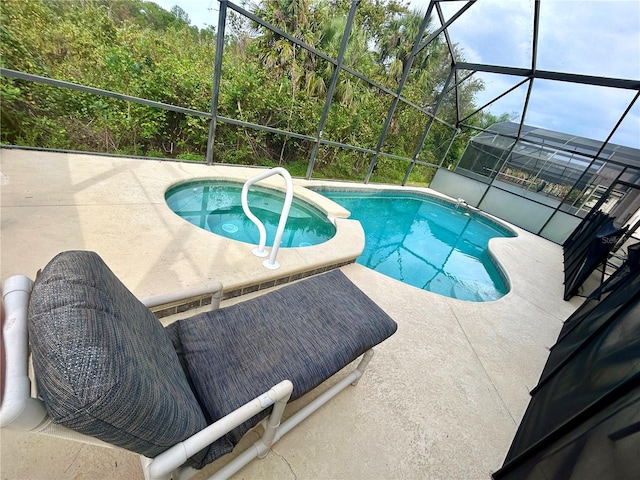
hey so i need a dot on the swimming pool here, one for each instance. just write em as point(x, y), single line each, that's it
point(427, 242)
point(215, 206)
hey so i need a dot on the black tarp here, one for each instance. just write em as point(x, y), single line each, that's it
point(583, 420)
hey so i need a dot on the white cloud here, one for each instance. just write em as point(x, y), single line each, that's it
point(495, 31)
point(599, 38)
point(595, 38)
point(583, 110)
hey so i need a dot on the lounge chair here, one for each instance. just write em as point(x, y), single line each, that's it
point(108, 372)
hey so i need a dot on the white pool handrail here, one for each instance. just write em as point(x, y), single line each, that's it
point(271, 262)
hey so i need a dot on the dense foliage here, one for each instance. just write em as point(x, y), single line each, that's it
point(134, 47)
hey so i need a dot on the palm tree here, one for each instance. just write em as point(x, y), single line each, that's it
point(396, 43)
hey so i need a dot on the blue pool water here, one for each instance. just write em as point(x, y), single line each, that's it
point(426, 242)
point(215, 206)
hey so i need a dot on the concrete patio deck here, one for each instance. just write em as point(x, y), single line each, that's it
point(442, 398)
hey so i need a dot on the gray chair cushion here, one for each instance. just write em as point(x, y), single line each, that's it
point(304, 332)
point(104, 365)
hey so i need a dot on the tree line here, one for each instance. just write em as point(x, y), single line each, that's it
point(137, 48)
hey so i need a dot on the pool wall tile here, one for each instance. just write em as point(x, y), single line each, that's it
point(189, 304)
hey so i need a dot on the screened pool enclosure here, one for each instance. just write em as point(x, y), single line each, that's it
point(526, 109)
point(541, 171)
point(545, 111)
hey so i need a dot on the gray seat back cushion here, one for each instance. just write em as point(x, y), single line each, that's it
point(105, 366)
point(304, 332)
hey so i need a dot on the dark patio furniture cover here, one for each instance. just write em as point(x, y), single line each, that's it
point(304, 332)
point(105, 365)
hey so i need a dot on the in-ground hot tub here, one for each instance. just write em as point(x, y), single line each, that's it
point(215, 206)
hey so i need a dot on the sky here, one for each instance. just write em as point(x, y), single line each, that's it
point(589, 37)
point(201, 12)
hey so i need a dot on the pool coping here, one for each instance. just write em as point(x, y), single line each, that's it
point(82, 196)
point(147, 182)
point(308, 191)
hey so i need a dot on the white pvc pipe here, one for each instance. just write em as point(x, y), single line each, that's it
point(235, 464)
point(172, 458)
point(352, 379)
point(19, 410)
point(314, 405)
point(364, 363)
point(214, 289)
point(260, 251)
point(254, 451)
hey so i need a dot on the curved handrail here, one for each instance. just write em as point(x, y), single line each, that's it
point(260, 251)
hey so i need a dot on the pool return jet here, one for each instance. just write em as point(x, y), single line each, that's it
point(270, 262)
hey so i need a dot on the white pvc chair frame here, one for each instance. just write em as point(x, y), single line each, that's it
point(22, 411)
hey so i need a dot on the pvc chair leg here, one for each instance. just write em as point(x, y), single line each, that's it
point(145, 462)
point(271, 427)
point(362, 366)
point(282, 429)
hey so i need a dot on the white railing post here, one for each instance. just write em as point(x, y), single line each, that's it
point(270, 263)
